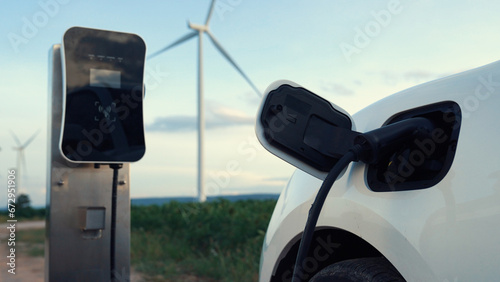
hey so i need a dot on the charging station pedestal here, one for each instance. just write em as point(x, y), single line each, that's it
point(78, 216)
point(79, 197)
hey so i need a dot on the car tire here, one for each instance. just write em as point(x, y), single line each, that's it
point(364, 269)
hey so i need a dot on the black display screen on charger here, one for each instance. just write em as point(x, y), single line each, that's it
point(103, 88)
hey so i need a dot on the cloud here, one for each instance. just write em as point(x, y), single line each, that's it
point(217, 113)
point(336, 88)
point(173, 124)
point(216, 116)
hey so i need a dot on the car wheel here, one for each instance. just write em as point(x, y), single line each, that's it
point(364, 269)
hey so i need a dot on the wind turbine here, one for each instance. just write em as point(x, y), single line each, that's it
point(199, 30)
point(21, 161)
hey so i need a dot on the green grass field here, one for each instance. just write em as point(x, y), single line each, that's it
point(216, 241)
point(213, 241)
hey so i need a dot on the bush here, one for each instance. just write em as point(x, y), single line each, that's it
point(23, 209)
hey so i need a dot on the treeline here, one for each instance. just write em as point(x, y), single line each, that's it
point(22, 209)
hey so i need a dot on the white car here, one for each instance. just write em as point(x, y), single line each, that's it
point(413, 215)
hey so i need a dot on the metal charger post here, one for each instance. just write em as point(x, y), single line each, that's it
point(89, 73)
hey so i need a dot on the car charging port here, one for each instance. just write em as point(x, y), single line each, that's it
point(423, 160)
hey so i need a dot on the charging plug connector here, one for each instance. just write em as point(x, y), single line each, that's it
point(376, 142)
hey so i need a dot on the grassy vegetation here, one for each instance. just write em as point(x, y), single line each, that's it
point(22, 209)
point(31, 241)
point(24, 214)
point(215, 241)
point(27, 241)
point(4, 218)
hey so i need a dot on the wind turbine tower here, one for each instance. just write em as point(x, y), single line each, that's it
point(21, 161)
point(199, 30)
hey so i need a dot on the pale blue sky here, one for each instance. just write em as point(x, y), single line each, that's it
point(351, 52)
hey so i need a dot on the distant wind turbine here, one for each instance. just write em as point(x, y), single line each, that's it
point(199, 30)
point(21, 161)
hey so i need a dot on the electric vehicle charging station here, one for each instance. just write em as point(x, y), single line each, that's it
point(96, 129)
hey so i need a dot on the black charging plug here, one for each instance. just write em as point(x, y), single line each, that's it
point(377, 142)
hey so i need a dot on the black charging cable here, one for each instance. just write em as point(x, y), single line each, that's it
point(315, 209)
point(367, 147)
point(114, 195)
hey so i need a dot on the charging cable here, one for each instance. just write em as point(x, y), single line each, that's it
point(315, 210)
point(367, 147)
point(112, 257)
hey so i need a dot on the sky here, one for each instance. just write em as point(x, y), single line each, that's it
point(352, 53)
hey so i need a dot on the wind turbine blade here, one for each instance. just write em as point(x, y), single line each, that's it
point(226, 55)
point(175, 43)
point(210, 12)
point(31, 139)
point(15, 138)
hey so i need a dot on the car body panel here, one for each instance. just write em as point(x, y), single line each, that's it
point(448, 232)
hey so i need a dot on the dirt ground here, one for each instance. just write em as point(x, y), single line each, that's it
point(28, 268)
